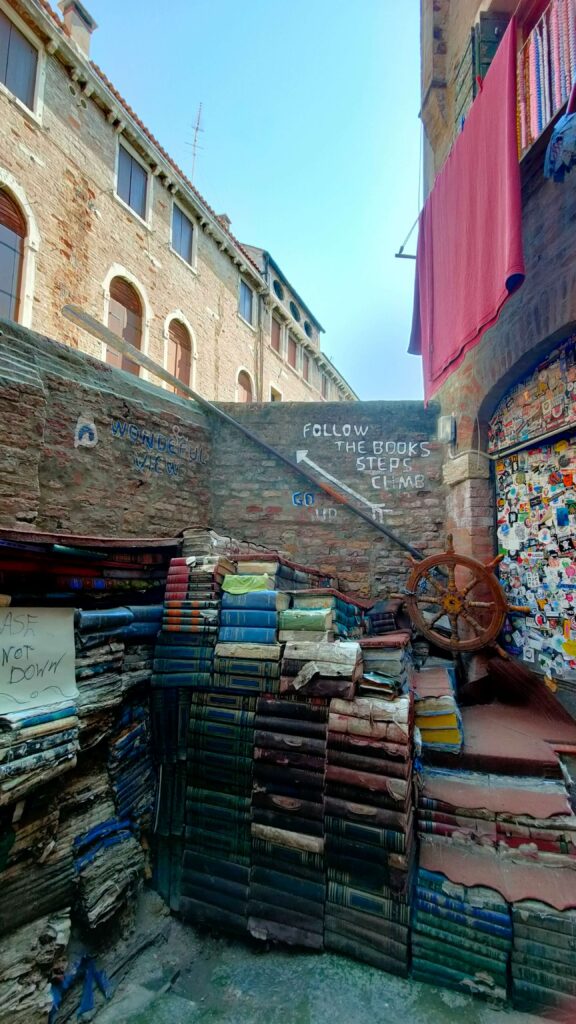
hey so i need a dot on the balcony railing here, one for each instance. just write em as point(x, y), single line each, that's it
point(546, 70)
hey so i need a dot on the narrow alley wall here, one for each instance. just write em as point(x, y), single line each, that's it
point(88, 449)
point(384, 453)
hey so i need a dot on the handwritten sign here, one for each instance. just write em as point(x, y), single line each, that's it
point(36, 658)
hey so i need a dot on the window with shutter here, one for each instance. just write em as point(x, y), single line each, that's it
point(276, 334)
point(125, 320)
point(179, 353)
point(132, 183)
point(18, 62)
point(245, 306)
point(244, 387)
point(12, 235)
point(306, 366)
point(292, 351)
point(182, 234)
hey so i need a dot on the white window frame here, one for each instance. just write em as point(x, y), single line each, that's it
point(244, 369)
point(177, 314)
point(37, 109)
point(248, 323)
point(147, 221)
point(278, 392)
point(30, 247)
point(193, 266)
point(117, 270)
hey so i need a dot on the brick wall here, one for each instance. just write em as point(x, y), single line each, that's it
point(380, 450)
point(62, 164)
point(92, 450)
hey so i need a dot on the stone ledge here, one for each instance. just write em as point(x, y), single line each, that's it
point(468, 466)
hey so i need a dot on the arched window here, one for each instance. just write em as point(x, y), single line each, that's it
point(244, 387)
point(125, 320)
point(179, 352)
point(12, 235)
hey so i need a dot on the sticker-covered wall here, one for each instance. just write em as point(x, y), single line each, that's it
point(380, 456)
point(536, 506)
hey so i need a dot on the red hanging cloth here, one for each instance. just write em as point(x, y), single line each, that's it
point(469, 256)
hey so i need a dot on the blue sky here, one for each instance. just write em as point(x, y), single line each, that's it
point(311, 145)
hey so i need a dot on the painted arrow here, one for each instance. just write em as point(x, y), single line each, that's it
point(302, 456)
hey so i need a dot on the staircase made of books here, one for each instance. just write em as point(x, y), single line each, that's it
point(313, 791)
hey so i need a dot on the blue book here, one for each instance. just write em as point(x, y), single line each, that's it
point(196, 680)
point(171, 666)
point(250, 617)
point(266, 600)
point(246, 635)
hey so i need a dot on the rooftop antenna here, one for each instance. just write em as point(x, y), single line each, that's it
point(195, 144)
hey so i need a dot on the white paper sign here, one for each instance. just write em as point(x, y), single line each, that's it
point(36, 658)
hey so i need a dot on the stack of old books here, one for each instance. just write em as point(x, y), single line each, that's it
point(29, 959)
point(437, 713)
point(388, 668)
point(462, 936)
point(99, 660)
point(185, 646)
point(286, 898)
point(383, 616)
point(130, 764)
point(183, 663)
point(369, 830)
point(526, 814)
point(282, 574)
point(544, 957)
point(321, 669)
point(36, 865)
point(514, 834)
point(248, 654)
point(247, 668)
point(108, 858)
point(218, 798)
point(36, 746)
point(320, 615)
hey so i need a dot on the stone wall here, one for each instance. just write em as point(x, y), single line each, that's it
point(382, 452)
point(91, 450)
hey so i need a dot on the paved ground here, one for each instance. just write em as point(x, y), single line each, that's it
point(194, 979)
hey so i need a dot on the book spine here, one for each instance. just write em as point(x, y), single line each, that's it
point(264, 600)
point(255, 619)
point(245, 667)
point(247, 635)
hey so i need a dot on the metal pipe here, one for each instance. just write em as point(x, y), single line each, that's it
point(98, 330)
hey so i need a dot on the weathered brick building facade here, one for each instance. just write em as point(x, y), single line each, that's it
point(515, 386)
point(94, 213)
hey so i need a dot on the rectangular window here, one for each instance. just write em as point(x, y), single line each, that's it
point(292, 351)
point(182, 234)
point(276, 334)
point(275, 395)
point(18, 62)
point(132, 185)
point(306, 366)
point(324, 386)
point(246, 302)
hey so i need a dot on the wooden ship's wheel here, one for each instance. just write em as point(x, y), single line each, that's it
point(456, 602)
